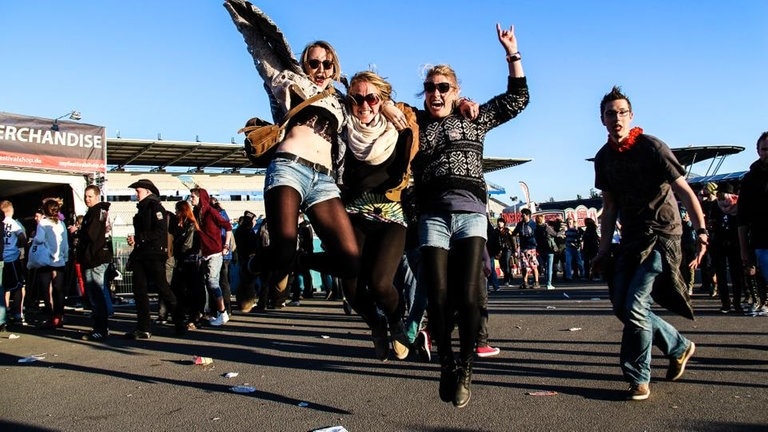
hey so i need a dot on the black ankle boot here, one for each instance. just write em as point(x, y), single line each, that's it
point(447, 379)
point(463, 393)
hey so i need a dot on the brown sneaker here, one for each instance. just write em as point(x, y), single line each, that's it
point(677, 366)
point(638, 392)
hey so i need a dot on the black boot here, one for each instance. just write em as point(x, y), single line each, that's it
point(447, 378)
point(463, 393)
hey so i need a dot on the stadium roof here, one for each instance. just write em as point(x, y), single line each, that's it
point(687, 156)
point(162, 154)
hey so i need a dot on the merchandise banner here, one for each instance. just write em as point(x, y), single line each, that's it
point(32, 142)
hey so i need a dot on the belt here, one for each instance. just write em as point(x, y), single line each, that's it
point(322, 169)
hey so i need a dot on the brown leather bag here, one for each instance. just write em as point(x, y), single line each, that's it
point(262, 137)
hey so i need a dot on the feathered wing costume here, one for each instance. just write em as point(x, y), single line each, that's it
point(284, 80)
point(267, 45)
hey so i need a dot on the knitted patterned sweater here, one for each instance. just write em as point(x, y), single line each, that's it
point(450, 156)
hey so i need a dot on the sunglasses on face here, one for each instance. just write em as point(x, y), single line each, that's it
point(315, 63)
point(442, 87)
point(358, 99)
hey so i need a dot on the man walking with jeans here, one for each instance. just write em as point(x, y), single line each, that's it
point(94, 253)
point(638, 174)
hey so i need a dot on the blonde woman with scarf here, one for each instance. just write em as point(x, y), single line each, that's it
point(376, 163)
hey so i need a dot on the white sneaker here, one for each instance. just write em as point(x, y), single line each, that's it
point(550, 287)
point(220, 320)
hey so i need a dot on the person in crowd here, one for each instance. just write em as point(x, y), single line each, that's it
point(148, 259)
point(493, 246)
point(559, 263)
point(228, 250)
point(94, 253)
point(248, 246)
point(573, 258)
point(752, 216)
point(484, 348)
point(688, 249)
point(638, 174)
point(3, 302)
point(590, 242)
point(525, 230)
point(302, 278)
point(14, 274)
point(451, 200)
point(506, 247)
point(212, 249)
point(708, 202)
point(545, 247)
point(187, 281)
point(725, 251)
point(52, 233)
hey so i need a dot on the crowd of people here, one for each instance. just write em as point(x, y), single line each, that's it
point(396, 195)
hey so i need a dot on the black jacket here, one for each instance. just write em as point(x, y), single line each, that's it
point(150, 225)
point(94, 247)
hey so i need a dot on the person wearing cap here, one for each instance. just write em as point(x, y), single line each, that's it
point(150, 252)
point(639, 177)
point(753, 214)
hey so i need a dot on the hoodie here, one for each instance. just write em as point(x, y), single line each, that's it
point(211, 225)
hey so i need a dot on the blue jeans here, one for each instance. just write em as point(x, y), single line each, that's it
point(440, 228)
point(313, 186)
point(419, 300)
point(212, 273)
point(94, 289)
point(494, 278)
point(549, 259)
point(642, 328)
point(571, 254)
point(761, 256)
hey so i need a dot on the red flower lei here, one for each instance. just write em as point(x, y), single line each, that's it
point(628, 142)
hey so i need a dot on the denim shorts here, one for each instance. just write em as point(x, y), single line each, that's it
point(439, 229)
point(312, 186)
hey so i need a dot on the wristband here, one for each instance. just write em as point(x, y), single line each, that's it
point(511, 58)
point(701, 231)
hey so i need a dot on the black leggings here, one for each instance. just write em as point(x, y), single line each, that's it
point(331, 224)
point(382, 246)
point(453, 279)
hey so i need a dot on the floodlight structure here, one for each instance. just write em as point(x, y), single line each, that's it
point(73, 115)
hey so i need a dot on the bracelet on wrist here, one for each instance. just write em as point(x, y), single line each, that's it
point(511, 58)
point(701, 231)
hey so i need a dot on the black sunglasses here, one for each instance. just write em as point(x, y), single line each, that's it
point(358, 99)
point(442, 87)
point(315, 63)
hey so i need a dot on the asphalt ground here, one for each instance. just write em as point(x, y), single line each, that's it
point(312, 367)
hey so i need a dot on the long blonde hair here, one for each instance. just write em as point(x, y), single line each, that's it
point(329, 52)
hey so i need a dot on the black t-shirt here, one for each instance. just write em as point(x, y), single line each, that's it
point(640, 181)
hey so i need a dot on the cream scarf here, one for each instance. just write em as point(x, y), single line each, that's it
point(373, 143)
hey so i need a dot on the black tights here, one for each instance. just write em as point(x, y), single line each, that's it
point(453, 279)
point(331, 224)
point(382, 246)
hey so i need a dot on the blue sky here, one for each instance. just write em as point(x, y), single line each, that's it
point(694, 70)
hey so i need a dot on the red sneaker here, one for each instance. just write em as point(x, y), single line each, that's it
point(487, 351)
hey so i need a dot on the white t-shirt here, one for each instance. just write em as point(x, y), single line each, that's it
point(13, 231)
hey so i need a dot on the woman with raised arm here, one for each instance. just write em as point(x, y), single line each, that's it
point(451, 197)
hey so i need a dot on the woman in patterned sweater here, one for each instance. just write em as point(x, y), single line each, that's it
point(452, 195)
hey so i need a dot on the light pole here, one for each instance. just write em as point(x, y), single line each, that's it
point(73, 115)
